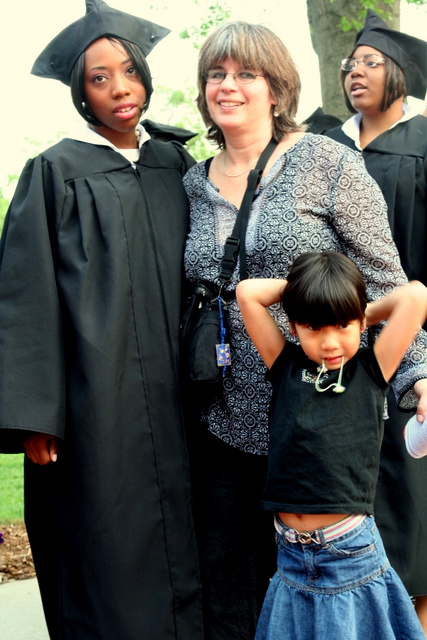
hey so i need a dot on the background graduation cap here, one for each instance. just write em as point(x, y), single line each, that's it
point(319, 121)
point(408, 52)
point(58, 58)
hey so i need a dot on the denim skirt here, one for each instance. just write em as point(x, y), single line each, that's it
point(336, 590)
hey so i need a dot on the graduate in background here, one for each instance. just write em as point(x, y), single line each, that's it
point(384, 67)
point(90, 292)
point(319, 121)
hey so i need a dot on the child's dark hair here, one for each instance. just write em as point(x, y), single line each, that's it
point(324, 289)
point(78, 75)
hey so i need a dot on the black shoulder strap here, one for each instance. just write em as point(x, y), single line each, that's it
point(235, 244)
point(208, 165)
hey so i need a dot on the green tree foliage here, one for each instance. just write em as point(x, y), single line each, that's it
point(218, 13)
point(383, 10)
point(12, 180)
point(199, 147)
point(180, 107)
point(4, 204)
point(382, 7)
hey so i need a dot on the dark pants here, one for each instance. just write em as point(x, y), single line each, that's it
point(401, 504)
point(236, 539)
point(42, 526)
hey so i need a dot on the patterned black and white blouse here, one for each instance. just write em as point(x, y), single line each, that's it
point(318, 196)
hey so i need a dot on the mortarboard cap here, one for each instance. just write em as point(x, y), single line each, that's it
point(319, 121)
point(408, 52)
point(58, 58)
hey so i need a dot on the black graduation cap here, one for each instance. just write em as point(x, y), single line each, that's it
point(408, 52)
point(58, 58)
point(319, 121)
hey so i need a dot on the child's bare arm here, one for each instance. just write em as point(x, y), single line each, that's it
point(253, 297)
point(405, 310)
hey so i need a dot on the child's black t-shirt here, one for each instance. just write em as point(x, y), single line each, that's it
point(324, 447)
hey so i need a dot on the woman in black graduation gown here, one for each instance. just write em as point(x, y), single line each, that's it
point(383, 68)
point(90, 277)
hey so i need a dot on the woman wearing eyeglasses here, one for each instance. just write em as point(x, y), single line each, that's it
point(384, 67)
point(314, 195)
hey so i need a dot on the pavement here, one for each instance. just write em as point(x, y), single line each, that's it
point(21, 613)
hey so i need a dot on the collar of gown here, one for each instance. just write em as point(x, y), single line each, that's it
point(351, 127)
point(86, 134)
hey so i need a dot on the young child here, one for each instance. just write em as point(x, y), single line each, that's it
point(326, 422)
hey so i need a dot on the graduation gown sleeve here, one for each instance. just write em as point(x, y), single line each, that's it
point(32, 374)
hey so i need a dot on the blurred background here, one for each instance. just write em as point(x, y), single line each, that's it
point(36, 112)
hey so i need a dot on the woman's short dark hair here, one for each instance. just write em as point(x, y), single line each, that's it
point(78, 75)
point(394, 85)
point(253, 47)
point(324, 289)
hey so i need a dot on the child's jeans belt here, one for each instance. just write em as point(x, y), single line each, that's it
point(329, 533)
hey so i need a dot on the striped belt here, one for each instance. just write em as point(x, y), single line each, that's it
point(329, 533)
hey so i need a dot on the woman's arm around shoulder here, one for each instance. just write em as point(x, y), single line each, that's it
point(253, 297)
point(405, 310)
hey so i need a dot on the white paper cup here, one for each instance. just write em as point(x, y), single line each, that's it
point(416, 437)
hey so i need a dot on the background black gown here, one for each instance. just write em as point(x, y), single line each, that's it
point(397, 160)
point(90, 290)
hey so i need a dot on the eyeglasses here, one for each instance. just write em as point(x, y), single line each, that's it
point(370, 60)
point(216, 76)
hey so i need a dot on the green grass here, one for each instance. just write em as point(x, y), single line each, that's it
point(11, 488)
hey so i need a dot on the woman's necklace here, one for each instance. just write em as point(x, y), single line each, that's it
point(237, 175)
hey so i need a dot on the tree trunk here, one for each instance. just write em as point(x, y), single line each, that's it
point(332, 44)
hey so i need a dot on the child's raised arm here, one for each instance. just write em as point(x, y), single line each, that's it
point(405, 310)
point(253, 297)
